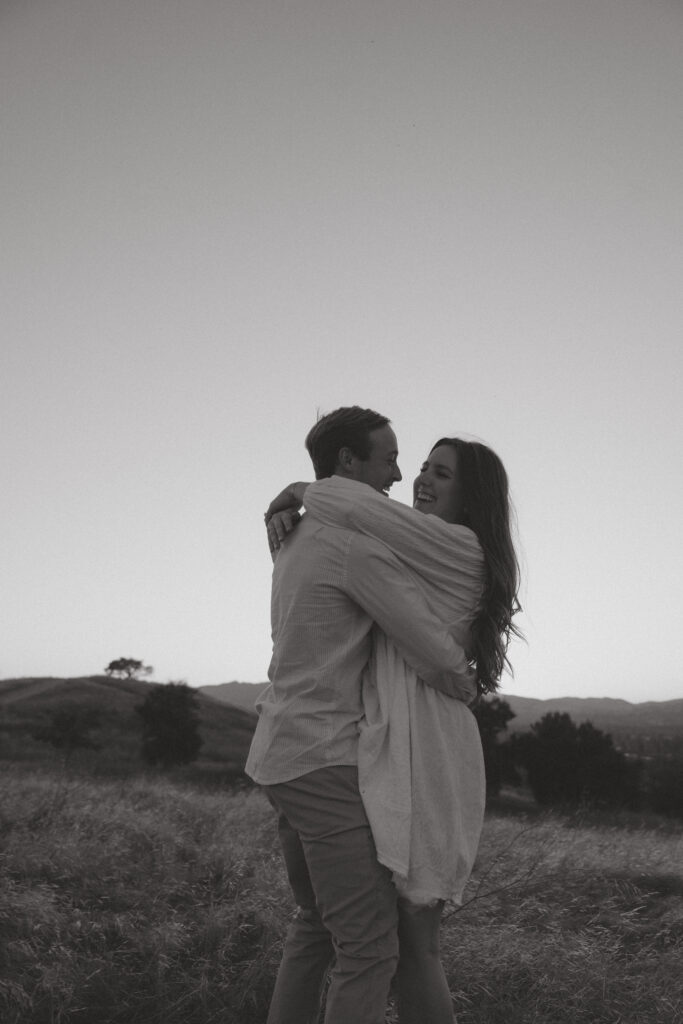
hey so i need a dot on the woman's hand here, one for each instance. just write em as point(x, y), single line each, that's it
point(279, 525)
point(282, 514)
point(291, 498)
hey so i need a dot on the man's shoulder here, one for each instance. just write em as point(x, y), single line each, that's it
point(336, 536)
point(313, 543)
point(324, 533)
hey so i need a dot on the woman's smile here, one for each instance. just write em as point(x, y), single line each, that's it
point(437, 490)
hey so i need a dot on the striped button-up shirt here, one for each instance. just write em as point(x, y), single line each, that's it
point(329, 586)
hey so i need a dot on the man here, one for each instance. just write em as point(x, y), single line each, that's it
point(329, 586)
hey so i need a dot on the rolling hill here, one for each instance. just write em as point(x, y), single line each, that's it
point(620, 718)
point(25, 704)
point(228, 718)
point(606, 713)
point(241, 695)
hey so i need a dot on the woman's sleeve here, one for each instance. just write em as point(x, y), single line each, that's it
point(434, 549)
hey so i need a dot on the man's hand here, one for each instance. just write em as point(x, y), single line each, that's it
point(459, 686)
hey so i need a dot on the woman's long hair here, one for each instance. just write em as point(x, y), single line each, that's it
point(487, 512)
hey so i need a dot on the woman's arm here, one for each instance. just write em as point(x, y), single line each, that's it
point(440, 552)
point(436, 550)
point(291, 498)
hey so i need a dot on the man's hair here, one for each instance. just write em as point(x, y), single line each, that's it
point(348, 427)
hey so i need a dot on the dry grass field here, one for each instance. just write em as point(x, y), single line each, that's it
point(149, 902)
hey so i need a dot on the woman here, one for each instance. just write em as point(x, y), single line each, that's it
point(420, 762)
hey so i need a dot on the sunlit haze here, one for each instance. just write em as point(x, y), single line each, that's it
point(220, 218)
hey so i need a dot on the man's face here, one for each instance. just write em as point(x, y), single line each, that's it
point(380, 470)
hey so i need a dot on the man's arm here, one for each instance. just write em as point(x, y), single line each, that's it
point(376, 580)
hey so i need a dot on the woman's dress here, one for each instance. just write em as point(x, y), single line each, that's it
point(420, 762)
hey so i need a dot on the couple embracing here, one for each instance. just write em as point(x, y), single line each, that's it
point(387, 622)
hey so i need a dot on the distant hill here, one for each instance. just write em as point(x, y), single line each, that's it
point(241, 695)
point(25, 704)
point(228, 719)
point(629, 724)
point(617, 717)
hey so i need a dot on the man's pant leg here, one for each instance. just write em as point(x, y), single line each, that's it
point(308, 950)
point(354, 896)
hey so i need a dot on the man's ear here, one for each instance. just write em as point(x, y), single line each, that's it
point(345, 459)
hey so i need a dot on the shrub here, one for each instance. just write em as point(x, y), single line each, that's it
point(170, 725)
point(492, 718)
point(568, 765)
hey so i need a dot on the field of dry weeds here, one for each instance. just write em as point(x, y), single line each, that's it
point(144, 901)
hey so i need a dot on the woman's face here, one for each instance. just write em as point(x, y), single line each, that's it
point(437, 490)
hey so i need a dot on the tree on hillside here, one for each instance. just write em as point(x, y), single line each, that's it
point(127, 668)
point(569, 764)
point(492, 718)
point(69, 728)
point(170, 725)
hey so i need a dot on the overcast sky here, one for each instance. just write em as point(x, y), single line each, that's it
point(223, 216)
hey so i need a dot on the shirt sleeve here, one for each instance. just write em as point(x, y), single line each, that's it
point(375, 579)
point(445, 554)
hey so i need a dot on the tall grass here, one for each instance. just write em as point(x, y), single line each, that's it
point(147, 901)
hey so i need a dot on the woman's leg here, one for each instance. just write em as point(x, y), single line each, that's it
point(422, 992)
